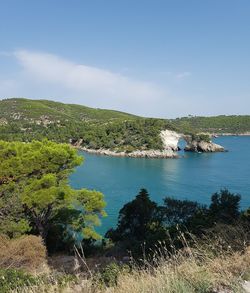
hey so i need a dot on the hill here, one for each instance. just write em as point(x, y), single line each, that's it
point(216, 124)
point(32, 110)
point(24, 119)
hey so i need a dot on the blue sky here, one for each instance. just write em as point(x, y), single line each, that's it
point(161, 58)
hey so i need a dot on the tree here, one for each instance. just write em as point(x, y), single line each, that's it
point(138, 224)
point(177, 211)
point(135, 216)
point(224, 207)
point(12, 218)
point(34, 176)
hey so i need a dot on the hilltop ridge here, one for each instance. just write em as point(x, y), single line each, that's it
point(101, 129)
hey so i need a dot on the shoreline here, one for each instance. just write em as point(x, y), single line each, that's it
point(156, 154)
point(231, 134)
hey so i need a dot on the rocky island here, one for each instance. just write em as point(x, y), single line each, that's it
point(203, 147)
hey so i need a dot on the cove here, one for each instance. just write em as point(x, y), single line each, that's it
point(194, 176)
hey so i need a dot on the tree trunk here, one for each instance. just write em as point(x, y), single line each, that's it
point(43, 230)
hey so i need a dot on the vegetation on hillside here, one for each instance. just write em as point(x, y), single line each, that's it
point(25, 120)
point(193, 270)
point(218, 124)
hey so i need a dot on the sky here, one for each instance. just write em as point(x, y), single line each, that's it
point(155, 58)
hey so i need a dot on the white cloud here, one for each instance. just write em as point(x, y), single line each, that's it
point(39, 75)
point(79, 79)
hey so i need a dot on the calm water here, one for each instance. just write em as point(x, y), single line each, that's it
point(194, 177)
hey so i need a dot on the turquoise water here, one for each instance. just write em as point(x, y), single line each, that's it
point(194, 176)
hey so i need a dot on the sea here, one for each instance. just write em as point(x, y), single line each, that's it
point(193, 176)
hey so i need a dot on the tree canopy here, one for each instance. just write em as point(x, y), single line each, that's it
point(34, 190)
point(143, 222)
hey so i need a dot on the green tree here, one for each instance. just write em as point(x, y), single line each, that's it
point(138, 224)
point(177, 211)
point(34, 177)
point(136, 216)
point(224, 207)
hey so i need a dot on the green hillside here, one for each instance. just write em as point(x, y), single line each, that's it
point(24, 119)
point(216, 124)
point(34, 109)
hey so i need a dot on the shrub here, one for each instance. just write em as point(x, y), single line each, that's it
point(26, 252)
point(11, 279)
point(109, 275)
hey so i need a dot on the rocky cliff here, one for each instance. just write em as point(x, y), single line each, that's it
point(170, 140)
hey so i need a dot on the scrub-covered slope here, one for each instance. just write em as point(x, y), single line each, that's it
point(98, 129)
point(23, 119)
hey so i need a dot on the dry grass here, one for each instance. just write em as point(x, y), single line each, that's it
point(189, 275)
point(184, 272)
point(205, 268)
point(27, 252)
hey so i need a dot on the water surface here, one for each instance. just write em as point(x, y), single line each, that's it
point(194, 176)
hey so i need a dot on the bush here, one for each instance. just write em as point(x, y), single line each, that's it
point(201, 137)
point(109, 275)
point(26, 252)
point(11, 279)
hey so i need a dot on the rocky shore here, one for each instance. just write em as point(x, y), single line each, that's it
point(231, 134)
point(135, 154)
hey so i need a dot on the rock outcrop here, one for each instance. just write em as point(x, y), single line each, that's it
point(170, 140)
point(203, 147)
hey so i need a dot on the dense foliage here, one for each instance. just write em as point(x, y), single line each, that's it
point(35, 195)
point(143, 224)
point(24, 120)
point(216, 124)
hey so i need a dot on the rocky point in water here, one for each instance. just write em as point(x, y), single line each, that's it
point(203, 146)
point(170, 140)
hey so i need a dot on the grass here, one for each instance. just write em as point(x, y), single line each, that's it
point(190, 270)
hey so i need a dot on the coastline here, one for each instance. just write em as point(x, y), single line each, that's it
point(231, 134)
point(167, 154)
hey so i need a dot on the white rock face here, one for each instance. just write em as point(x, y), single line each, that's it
point(170, 139)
